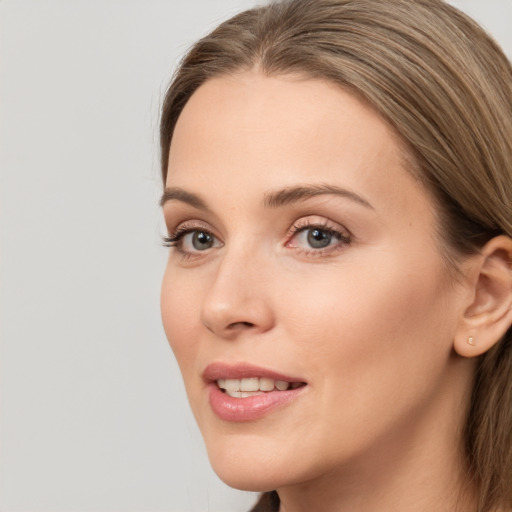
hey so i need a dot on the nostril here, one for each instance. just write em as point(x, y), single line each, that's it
point(240, 325)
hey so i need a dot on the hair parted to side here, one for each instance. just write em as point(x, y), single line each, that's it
point(446, 88)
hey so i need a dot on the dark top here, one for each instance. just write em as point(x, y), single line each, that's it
point(268, 502)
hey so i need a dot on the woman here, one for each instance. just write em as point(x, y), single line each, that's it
point(339, 287)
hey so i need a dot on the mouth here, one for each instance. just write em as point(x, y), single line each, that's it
point(254, 386)
point(243, 392)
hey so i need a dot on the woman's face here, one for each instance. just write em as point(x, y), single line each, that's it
point(305, 257)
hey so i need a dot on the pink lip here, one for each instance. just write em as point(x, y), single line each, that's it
point(252, 408)
point(217, 371)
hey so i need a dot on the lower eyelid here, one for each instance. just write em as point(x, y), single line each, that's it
point(340, 244)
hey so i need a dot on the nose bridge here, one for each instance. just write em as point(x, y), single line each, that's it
point(238, 298)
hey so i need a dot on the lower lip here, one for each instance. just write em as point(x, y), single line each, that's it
point(228, 408)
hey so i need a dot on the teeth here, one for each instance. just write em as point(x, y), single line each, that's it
point(252, 384)
point(281, 385)
point(244, 394)
point(266, 384)
point(242, 388)
point(232, 384)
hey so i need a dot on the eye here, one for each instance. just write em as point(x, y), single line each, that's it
point(197, 240)
point(316, 238)
point(188, 240)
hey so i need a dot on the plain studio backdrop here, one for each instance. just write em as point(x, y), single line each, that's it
point(93, 411)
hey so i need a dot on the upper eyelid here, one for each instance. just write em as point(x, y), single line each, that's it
point(190, 224)
point(325, 223)
point(176, 212)
point(180, 232)
point(309, 221)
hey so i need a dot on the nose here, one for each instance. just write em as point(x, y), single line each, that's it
point(238, 299)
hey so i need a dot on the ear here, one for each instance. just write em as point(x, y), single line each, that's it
point(489, 313)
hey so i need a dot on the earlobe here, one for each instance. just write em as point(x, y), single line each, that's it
point(489, 315)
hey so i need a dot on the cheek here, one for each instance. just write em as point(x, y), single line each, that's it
point(180, 314)
point(374, 327)
point(374, 343)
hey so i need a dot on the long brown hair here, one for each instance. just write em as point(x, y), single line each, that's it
point(446, 87)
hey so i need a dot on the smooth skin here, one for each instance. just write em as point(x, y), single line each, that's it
point(364, 309)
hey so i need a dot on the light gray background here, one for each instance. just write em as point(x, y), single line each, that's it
point(93, 412)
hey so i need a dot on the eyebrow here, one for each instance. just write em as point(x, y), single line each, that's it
point(276, 199)
point(291, 195)
point(178, 194)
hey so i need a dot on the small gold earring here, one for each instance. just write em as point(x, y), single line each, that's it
point(471, 341)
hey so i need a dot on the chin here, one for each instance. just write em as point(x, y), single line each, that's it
point(250, 481)
point(250, 464)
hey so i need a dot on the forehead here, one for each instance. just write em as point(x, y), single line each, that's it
point(250, 132)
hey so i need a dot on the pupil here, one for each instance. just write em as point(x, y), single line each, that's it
point(318, 238)
point(201, 240)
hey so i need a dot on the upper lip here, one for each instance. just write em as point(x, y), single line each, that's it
point(216, 371)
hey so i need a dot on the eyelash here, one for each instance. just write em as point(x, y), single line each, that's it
point(299, 227)
point(177, 236)
point(175, 239)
